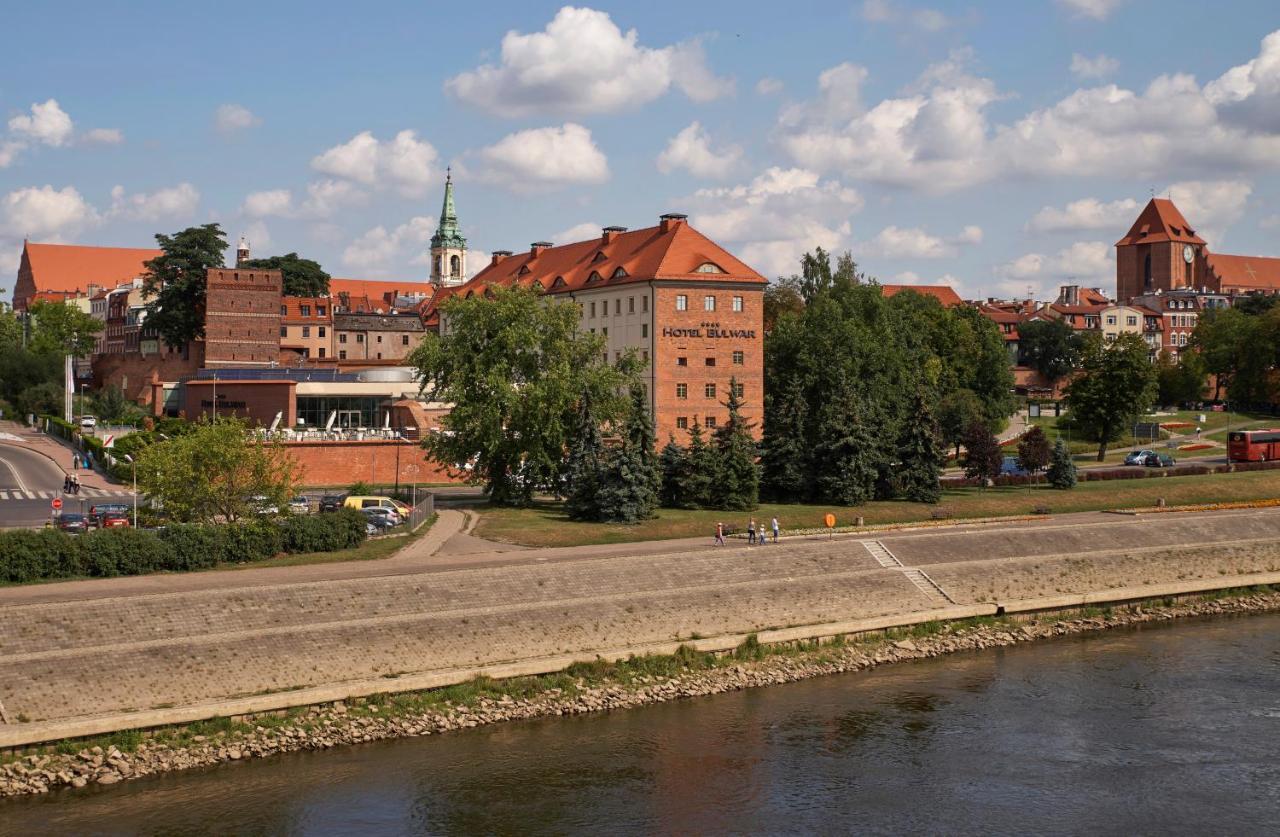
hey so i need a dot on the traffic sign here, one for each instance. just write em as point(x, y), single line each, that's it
point(56, 502)
point(830, 520)
point(109, 442)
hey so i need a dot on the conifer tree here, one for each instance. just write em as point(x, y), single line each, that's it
point(1062, 469)
point(784, 456)
point(845, 457)
point(700, 473)
point(626, 492)
point(983, 457)
point(920, 454)
point(737, 484)
point(582, 471)
point(642, 439)
point(672, 462)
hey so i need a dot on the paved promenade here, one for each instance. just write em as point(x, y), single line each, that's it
point(451, 602)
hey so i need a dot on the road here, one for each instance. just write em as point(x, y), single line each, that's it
point(29, 481)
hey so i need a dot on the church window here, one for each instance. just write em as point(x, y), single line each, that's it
point(1146, 272)
point(455, 266)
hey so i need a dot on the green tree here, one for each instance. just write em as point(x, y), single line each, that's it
point(514, 366)
point(784, 453)
point(847, 461)
point(780, 300)
point(585, 463)
point(642, 439)
point(983, 457)
point(737, 483)
point(211, 473)
point(1062, 470)
point(629, 480)
point(62, 329)
point(1117, 384)
point(1180, 380)
point(175, 282)
point(957, 411)
point(110, 404)
point(1051, 347)
point(1218, 338)
point(699, 476)
point(920, 456)
point(1034, 450)
point(301, 277)
point(10, 328)
point(673, 463)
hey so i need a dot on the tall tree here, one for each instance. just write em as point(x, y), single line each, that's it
point(175, 282)
point(1033, 450)
point(920, 456)
point(301, 277)
point(785, 458)
point(673, 463)
point(957, 411)
point(628, 490)
point(63, 329)
point(696, 489)
point(642, 439)
point(983, 457)
point(846, 458)
point(1117, 384)
point(514, 365)
point(737, 484)
point(583, 470)
point(1062, 470)
point(781, 299)
point(1051, 347)
point(1181, 380)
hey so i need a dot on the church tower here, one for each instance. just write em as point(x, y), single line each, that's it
point(448, 247)
point(1161, 253)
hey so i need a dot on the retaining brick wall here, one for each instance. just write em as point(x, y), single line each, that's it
point(371, 461)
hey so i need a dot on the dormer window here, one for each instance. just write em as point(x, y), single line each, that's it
point(537, 284)
point(594, 277)
point(619, 274)
point(709, 267)
point(599, 256)
point(558, 283)
point(524, 270)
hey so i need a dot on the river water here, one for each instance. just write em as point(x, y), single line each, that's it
point(1159, 729)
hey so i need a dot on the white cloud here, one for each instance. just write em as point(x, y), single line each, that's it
point(1099, 66)
point(883, 11)
point(578, 232)
point(45, 213)
point(910, 277)
point(1211, 206)
point(1249, 94)
point(232, 118)
point(48, 124)
point(1095, 9)
point(777, 217)
point(1087, 263)
point(267, 203)
point(404, 162)
point(930, 20)
point(174, 202)
point(583, 63)
point(768, 85)
point(1086, 214)
point(894, 242)
point(258, 237)
point(877, 11)
point(377, 248)
point(324, 198)
point(9, 152)
point(691, 150)
point(543, 158)
point(102, 136)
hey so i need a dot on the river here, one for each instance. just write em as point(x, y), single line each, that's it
point(1158, 729)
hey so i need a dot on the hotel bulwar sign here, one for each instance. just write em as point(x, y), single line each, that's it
point(713, 331)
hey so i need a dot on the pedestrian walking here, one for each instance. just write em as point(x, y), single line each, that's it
point(775, 530)
point(719, 534)
point(66, 484)
point(75, 484)
point(751, 531)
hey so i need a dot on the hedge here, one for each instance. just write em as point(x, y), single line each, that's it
point(33, 555)
point(1127, 472)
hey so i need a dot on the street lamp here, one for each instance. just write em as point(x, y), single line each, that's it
point(134, 466)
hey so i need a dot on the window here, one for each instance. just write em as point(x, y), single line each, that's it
point(709, 390)
point(342, 338)
point(404, 340)
point(737, 303)
point(359, 338)
point(708, 267)
point(737, 390)
point(644, 304)
point(342, 354)
point(631, 305)
point(284, 331)
point(682, 302)
point(710, 361)
point(379, 338)
point(593, 309)
point(1111, 320)
point(604, 357)
point(320, 310)
point(605, 331)
point(682, 390)
point(644, 330)
point(322, 331)
point(617, 305)
point(322, 353)
point(284, 309)
point(738, 358)
point(682, 361)
point(682, 422)
point(710, 422)
point(644, 355)
point(708, 303)
point(306, 331)
point(1133, 321)
point(379, 355)
point(305, 310)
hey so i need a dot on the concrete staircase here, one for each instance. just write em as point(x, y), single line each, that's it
point(919, 578)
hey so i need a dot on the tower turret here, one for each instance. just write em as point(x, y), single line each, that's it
point(448, 247)
point(242, 252)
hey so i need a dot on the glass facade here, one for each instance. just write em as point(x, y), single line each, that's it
point(353, 411)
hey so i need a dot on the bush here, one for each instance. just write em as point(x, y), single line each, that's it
point(193, 546)
point(27, 555)
point(253, 540)
point(111, 552)
point(323, 532)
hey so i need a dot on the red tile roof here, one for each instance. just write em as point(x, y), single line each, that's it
point(1245, 273)
point(293, 309)
point(376, 288)
point(943, 293)
point(1160, 221)
point(72, 267)
point(671, 250)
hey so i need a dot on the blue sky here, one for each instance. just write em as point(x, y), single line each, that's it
point(993, 146)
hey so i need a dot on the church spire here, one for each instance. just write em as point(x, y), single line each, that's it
point(448, 247)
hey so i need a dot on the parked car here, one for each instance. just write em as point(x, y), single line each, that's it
point(371, 530)
point(88, 423)
point(300, 505)
point(382, 518)
point(376, 502)
point(1159, 460)
point(101, 510)
point(332, 502)
point(1010, 468)
point(115, 520)
point(262, 505)
point(73, 523)
point(1138, 457)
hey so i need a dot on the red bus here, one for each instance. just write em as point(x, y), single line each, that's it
point(1253, 445)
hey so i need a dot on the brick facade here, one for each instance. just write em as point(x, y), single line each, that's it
point(374, 462)
point(133, 373)
point(242, 317)
point(257, 401)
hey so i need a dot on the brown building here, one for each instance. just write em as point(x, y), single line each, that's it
point(376, 336)
point(242, 317)
point(306, 327)
point(690, 308)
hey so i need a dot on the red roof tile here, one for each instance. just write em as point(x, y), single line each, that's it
point(72, 267)
point(1245, 273)
point(1160, 221)
point(943, 293)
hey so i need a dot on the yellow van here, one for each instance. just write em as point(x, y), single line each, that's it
point(372, 502)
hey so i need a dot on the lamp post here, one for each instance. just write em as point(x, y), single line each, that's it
point(134, 466)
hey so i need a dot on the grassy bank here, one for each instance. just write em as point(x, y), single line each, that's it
point(546, 524)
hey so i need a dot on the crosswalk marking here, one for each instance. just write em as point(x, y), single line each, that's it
point(19, 494)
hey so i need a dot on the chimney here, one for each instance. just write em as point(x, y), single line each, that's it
point(537, 247)
point(498, 255)
point(610, 233)
point(669, 221)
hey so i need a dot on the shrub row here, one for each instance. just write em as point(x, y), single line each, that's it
point(1127, 472)
point(27, 555)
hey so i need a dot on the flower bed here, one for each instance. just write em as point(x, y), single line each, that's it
point(1195, 446)
point(1173, 425)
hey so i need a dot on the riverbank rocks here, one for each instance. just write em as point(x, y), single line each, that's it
point(358, 721)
